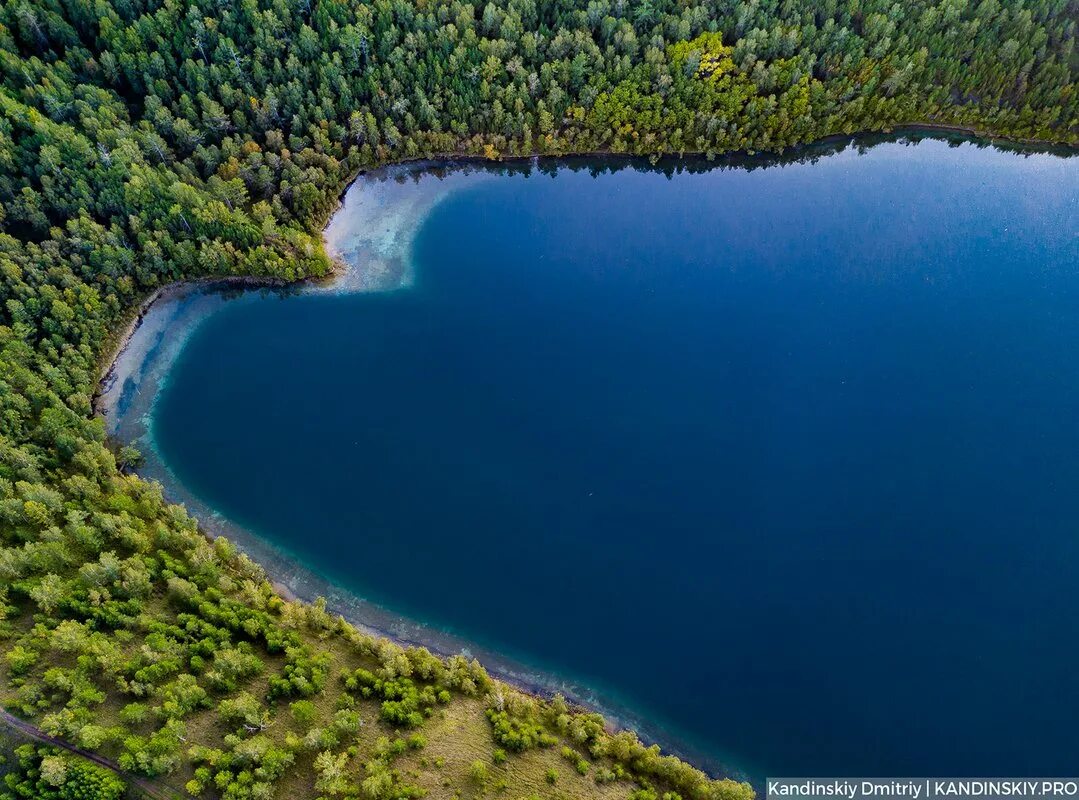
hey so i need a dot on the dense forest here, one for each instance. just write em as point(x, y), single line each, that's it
point(148, 141)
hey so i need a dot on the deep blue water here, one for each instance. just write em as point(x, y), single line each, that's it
point(787, 459)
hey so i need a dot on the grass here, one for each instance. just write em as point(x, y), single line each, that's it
point(457, 758)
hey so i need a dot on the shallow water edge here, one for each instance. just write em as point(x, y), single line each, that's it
point(385, 208)
point(391, 267)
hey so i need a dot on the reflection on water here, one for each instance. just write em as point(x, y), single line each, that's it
point(728, 439)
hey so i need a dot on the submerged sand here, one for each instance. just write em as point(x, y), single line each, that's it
point(370, 239)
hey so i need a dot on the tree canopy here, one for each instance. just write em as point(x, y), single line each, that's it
point(148, 141)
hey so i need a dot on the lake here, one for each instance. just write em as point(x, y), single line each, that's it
point(777, 460)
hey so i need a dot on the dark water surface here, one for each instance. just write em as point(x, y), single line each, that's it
point(785, 459)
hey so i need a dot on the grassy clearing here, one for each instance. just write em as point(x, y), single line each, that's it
point(335, 713)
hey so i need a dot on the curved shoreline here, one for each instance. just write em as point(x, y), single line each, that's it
point(109, 358)
point(289, 574)
point(306, 584)
point(163, 293)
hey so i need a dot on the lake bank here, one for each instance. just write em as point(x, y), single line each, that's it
point(289, 557)
point(454, 160)
point(385, 208)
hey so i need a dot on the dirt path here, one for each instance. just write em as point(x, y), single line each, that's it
point(145, 786)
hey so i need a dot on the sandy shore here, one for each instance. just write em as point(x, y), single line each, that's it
point(369, 240)
point(345, 242)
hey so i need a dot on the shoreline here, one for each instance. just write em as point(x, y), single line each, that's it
point(442, 642)
point(108, 362)
point(108, 359)
point(294, 581)
point(289, 575)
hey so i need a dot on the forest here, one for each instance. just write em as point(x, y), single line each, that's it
point(144, 142)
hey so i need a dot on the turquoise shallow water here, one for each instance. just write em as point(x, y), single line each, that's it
point(783, 458)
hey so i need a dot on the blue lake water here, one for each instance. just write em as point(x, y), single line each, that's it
point(785, 459)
